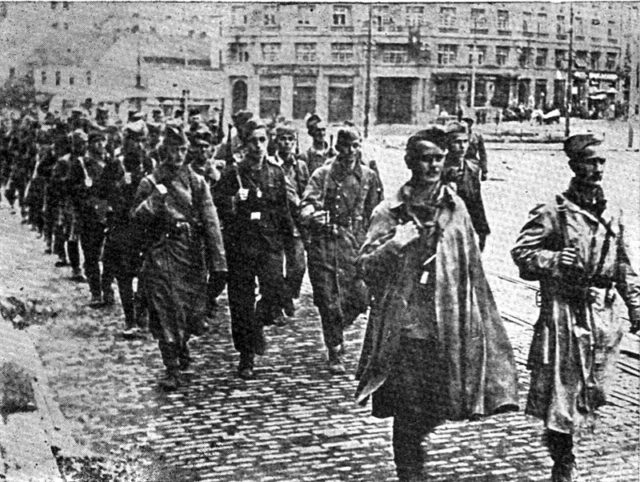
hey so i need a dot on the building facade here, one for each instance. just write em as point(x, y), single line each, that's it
point(293, 59)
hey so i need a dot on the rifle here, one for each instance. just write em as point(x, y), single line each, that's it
point(229, 154)
point(297, 146)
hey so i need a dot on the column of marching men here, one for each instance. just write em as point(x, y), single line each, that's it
point(172, 212)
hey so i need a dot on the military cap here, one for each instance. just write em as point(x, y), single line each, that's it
point(455, 127)
point(241, 117)
point(102, 109)
point(136, 130)
point(200, 142)
point(581, 146)
point(201, 132)
point(320, 125)
point(347, 134)
point(135, 115)
point(313, 121)
point(253, 125)
point(285, 129)
point(433, 135)
point(79, 136)
point(96, 135)
point(174, 135)
point(468, 120)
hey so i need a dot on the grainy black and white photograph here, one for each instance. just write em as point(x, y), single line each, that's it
point(319, 241)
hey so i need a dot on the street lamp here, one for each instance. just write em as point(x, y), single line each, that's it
point(569, 75)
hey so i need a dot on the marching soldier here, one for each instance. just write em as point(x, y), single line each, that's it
point(465, 174)
point(575, 246)
point(296, 171)
point(174, 205)
point(252, 197)
point(430, 354)
point(476, 150)
point(336, 208)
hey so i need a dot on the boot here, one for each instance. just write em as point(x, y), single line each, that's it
point(561, 450)
point(336, 363)
point(171, 380)
point(564, 470)
point(245, 367)
point(184, 358)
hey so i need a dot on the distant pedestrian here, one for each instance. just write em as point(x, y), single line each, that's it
point(435, 348)
point(175, 205)
point(476, 150)
point(320, 150)
point(575, 246)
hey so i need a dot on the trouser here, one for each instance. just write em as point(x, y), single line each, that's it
point(92, 240)
point(560, 447)
point(332, 325)
point(295, 265)
point(245, 263)
point(173, 353)
point(408, 433)
point(72, 252)
point(15, 191)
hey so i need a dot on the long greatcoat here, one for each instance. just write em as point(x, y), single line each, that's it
point(577, 335)
point(479, 363)
point(174, 272)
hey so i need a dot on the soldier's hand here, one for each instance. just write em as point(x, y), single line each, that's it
point(320, 217)
point(243, 194)
point(405, 234)
point(569, 258)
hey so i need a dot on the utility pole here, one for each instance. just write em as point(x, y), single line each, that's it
point(569, 74)
point(473, 65)
point(367, 86)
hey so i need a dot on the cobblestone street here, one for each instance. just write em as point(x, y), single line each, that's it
point(295, 422)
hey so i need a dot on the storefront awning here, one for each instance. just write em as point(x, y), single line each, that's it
point(580, 75)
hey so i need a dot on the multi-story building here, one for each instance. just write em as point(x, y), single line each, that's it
point(293, 59)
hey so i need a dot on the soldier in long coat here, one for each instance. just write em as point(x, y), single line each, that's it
point(575, 246)
point(175, 205)
point(336, 208)
point(435, 348)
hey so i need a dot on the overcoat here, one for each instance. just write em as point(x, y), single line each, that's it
point(577, 335)
point(349, 196)
point(479, 362)
point(174, 271)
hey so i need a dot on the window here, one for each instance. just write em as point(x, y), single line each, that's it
point(340, 102)
point(447, 54)
point(503, 20)
point(595, 61)
point(238, 52)
point(65, 26)
point(270, 15)
point(238, 16)
point(561, 28)
point(341, 53)
point(269, 96)
point(72, 80)
point(270, 52)
point(304, 96)
point(543, 30)
point(541, 57)
point(305, 52)
point(611, 25)
point(306, 14)
point(524, 56)
point(527, 20)
point(89, 79)
point(578, 25)
point(341, 15)
point(394, 54)
point(502, 55)
point(381, 19)
point(561, 59)
point(43, 77)
point(448, 17)
point(612, 60)
point(478, 20)
point(54, 5)
point(477, 54)
point(58, 77)
point(414, 16)
point(12, 72)
point(65, 5)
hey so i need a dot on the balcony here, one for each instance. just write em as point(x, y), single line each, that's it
point(448, 29)
point(480, 31)
point(612, 40)
point(562, 36)
point(528, 34)
point(504, 33)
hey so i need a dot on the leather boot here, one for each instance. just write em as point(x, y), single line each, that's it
point(245, 367)
point(561, 451)
point(169, 352)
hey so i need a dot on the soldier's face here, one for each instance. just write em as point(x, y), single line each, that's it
point(428, 162)
point(458, 144)
point(257, 143)
point(589, 171)
point(286, 143)
point(318, 134)
point(176, 155)
point(349, 149)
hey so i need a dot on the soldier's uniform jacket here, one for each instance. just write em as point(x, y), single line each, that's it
point(88, 188)
point(265, 217)
point(316, 157)
point(466, 177)
point(577, 335)
point(349, 196)
point(477, 152)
